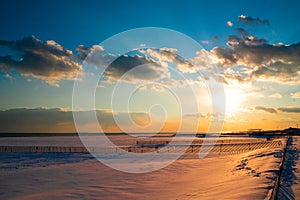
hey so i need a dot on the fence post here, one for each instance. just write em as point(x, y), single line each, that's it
point(274, 194)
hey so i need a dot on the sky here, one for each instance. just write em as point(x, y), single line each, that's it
point(250, 48)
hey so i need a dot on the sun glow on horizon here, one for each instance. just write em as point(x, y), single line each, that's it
point(234, 99)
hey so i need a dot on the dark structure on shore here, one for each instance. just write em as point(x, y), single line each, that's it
point(292, 131)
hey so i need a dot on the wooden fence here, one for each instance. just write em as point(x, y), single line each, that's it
point(144, 148)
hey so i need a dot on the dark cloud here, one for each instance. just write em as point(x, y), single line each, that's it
point(59, 120)
point(83, 51)
point(48, 61)
point(281, 109)
point(216, 38)
point(261, 59)
point(290, 109)
point(92, 54)
point(242, 32)
point(264, 60)
point(24, 120)
point(51, 62)
point(171, 55)
point(269, 110)
point(250, 21)
point(128, 66)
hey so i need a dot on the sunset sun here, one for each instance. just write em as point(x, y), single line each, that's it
point(234, 99)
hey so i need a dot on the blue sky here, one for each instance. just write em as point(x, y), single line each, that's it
point(88, 22)
point(73, 23)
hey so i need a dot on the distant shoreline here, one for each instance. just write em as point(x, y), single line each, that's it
point(170, 134)
point(69, 134)
point(50, 134)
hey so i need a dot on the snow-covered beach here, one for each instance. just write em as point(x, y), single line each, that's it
point(244, 175)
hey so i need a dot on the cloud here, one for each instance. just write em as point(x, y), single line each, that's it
point(269, 110)
point(216, 38)
point(47, 61)
point(242, 32)
point(296, 95)
point(250, 21)
point(128, 66)
point(59, 120)
point(205, 42)
point(207, 115)
point(276, 95)
point(8, 76)
point(281, 109)
point(153, 87)
point(50, 62)
point(229, 23)
point(263, 60)
point(290, 109)
point(24, 120)
point(84, 51)
point(171, 55)
point(157, 88)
